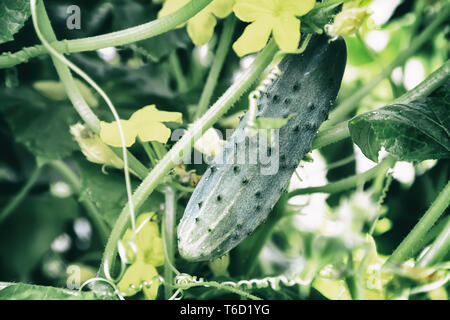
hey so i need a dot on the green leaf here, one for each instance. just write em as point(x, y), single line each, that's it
point(40, 124)
point(13, 14)
point(26, 235)
point(413, 132)
point(107, 191)
point(22, 291)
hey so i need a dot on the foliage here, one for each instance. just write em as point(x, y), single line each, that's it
point(346, 227)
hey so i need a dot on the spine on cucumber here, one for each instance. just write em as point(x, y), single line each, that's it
point(241, 186)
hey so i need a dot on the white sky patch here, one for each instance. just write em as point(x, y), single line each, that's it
point(313, 174)
point(377, 39)
point(397, 75)
point(60, 189)
point(245, 63)
point(404, 172)
point(204, 55)
point(82, 229)
point(62, 243)
point(414, 73)
point(383, 10)
point(108, 54)
point(362, 162)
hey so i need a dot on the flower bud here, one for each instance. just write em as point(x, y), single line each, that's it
point(94, 148)
point(347, 22)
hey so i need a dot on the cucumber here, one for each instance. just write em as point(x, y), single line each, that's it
point(233, 198)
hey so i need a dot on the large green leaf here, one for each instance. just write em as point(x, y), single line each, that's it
point(22, 291)
point(13, 14)
point(40, 124)
point(416, 131)
point(26, 235)
point(107, 191)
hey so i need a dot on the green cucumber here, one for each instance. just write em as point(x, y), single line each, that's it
point(233, 198)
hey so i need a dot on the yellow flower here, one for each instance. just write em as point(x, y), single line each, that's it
point(135, 275)
point(148, 241)
point(149, 254)
point(200, 27)
point(145, 123)
point(270, 16)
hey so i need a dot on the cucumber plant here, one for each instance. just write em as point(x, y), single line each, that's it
point(96, 135)
point(234, 198)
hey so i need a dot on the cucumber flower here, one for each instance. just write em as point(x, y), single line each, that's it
point(349, 20)
point(148, 255)
point(145, 123)
point(278, 17)
point(200, 27)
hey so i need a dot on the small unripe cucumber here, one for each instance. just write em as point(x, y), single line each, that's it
point(232, 198)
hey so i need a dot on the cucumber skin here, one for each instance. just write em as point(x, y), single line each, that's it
point(232, 200)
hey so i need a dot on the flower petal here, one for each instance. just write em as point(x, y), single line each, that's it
point(251, 10)
point(151, 114)
point(297, 7)
point(201, 27)
point(254, 38)
point(153, 131)
point(110, 134)
point(135, 275)
point(287, 33)
point(222, 8)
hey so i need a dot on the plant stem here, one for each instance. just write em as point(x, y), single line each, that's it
point(426, 87)
point(169, 238)
point(118, 38)
point(75, 184)
point(331, 135)
point(346, 107)
point(177, 71)
point(438, 249)
point(186, 143)
point(65, 75)
point(349, 182)
point(221, 53)
point(19, 197)
point(413, 242)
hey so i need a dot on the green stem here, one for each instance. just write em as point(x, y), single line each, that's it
point(75, 184)
point(414, 241)
point(150, 153)
point(331, 135)
point(19, 197)
point(426, 87)
point(436, 230)
point(346, 107)
point(175, 67)
point(219, 60)
point(65, 75)
point(118, 38)
point(349, 182)
point(438, 249)
point(169, 238)
point(185, 145)
point(159, 149)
